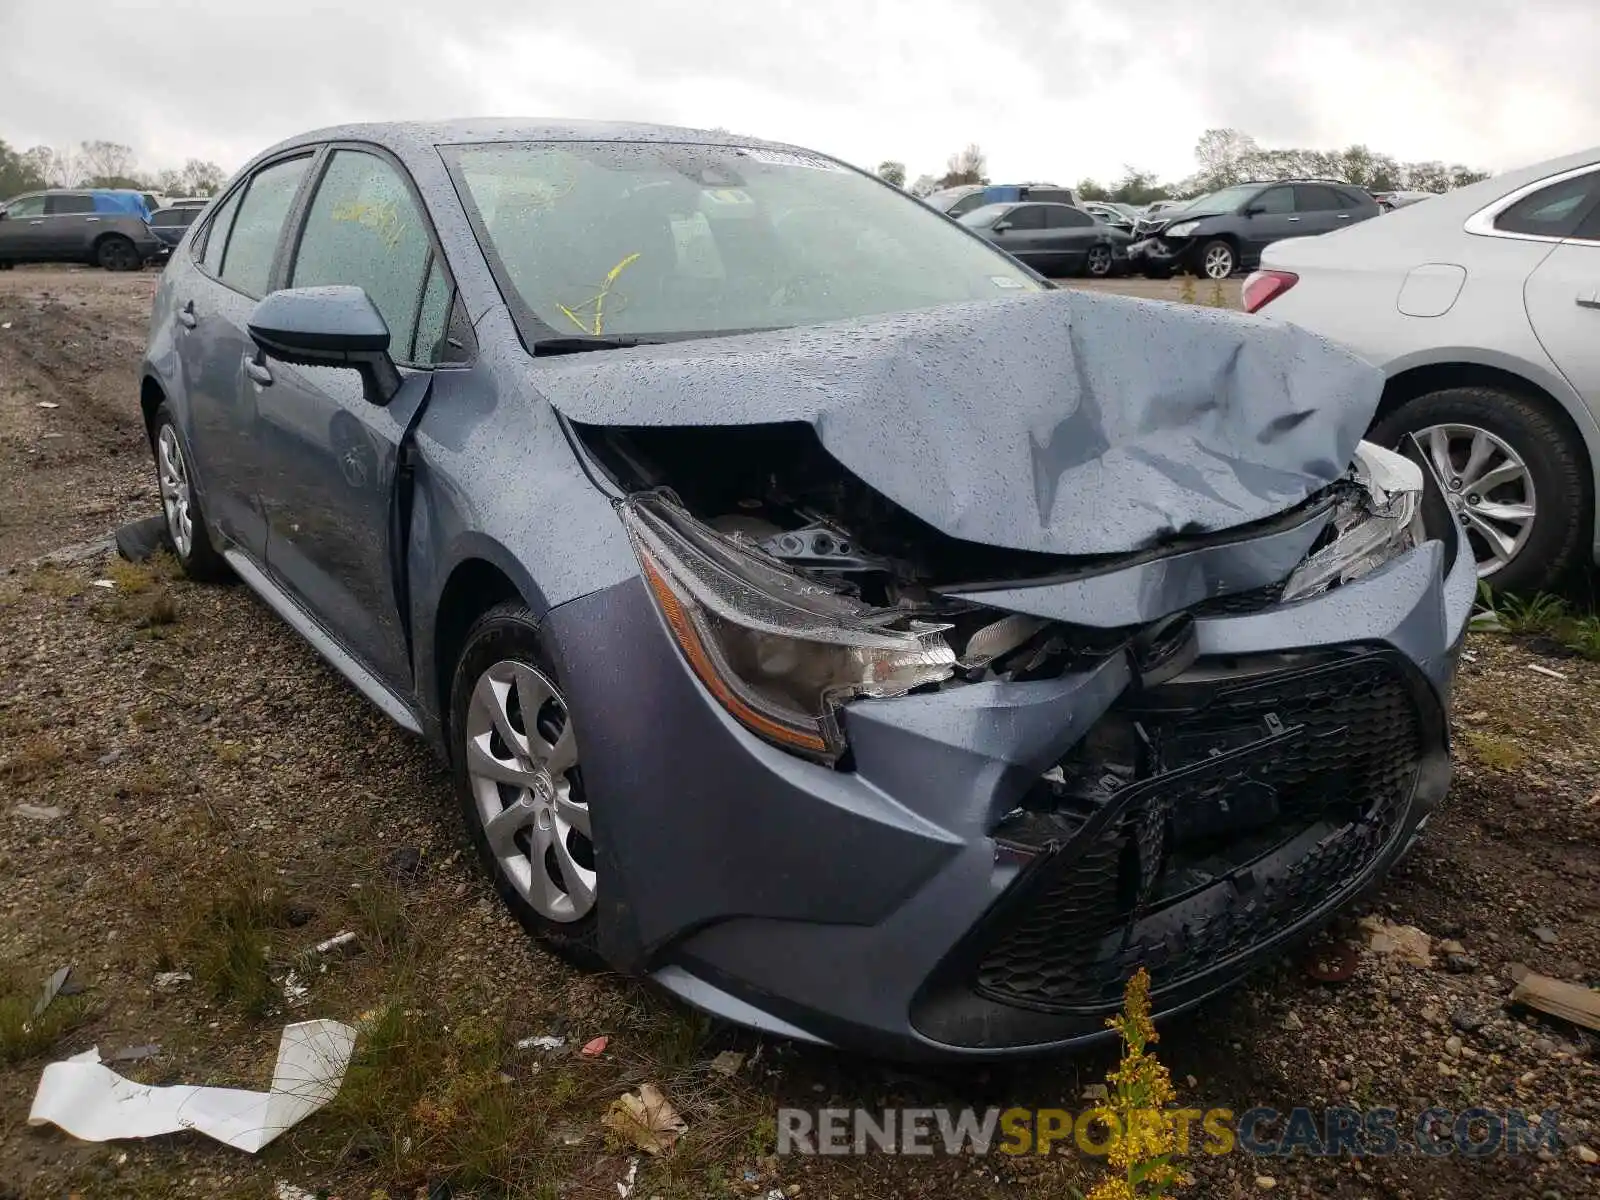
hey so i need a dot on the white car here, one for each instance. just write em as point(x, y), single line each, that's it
point(1483, 308)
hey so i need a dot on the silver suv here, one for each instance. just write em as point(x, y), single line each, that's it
point(101, 226)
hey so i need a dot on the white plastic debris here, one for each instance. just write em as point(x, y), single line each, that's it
point(1544, 670)
point(5, 325)
point(92, 1102)
point(40, 812)
point(48, 404)
point(545, 1041)
point(108, 584)
point(167, 981)
point(625, 1187)
point(337, 942)
point(284, 1190)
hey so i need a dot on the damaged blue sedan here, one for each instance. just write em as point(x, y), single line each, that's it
point(820, 614)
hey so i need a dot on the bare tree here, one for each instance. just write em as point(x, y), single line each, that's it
point(892, 172)
point(1224, 156)
point(925, 185)
point(106, 161)
point(966, 166)
point(202, 178)
point(58, 168)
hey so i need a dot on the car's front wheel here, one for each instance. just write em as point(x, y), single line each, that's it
point(1514, 476)
point(1217, 259)
point(186, 525)
point(1099, 261)
point(514, 758)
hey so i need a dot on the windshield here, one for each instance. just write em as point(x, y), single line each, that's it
point(1223, 200)
point(657, 239)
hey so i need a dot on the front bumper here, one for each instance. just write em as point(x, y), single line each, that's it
point(903, 906)
point(1159, 253)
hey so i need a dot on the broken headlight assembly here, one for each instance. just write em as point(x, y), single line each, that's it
point(779, 652)
point(1373, 522)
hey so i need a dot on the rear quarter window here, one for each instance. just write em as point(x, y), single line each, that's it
point(1555, 211)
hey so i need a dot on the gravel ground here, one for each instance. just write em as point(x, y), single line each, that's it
point(158, 740)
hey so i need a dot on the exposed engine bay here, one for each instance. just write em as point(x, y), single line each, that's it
point(772, 491)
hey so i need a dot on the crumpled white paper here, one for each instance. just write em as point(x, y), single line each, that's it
point(93, 1102)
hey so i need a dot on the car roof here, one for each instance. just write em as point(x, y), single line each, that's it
point(414, 135)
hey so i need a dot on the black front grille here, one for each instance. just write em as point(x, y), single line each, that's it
point(1241, 604)
point(1260, 802)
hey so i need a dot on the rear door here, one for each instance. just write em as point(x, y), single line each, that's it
point(22, 237)
point(234, 266)
point(1563, 292)
point(329, 493)
point(1319, 209)
point(70, 225)
point(1071, 232)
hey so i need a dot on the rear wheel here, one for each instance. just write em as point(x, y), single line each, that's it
point(514, 758)
point(116, 253)
point(1515, 479)
point(186, 525)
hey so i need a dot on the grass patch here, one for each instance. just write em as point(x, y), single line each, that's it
point(229, 936)
point(56, 582)
point(425, 1100)
point(1542, 615)
point(1493, 751)
point(23, 1035)
point(35, 757)
point(130, 577)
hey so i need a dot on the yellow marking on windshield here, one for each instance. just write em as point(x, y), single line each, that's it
point(597, 302)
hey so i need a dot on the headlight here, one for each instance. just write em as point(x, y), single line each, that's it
point(779, 652)
point(1183, 230)
point(1372, 523)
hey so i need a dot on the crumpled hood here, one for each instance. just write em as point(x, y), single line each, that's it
point(1062, 422)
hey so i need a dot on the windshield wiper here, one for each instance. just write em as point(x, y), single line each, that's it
point(579, 343)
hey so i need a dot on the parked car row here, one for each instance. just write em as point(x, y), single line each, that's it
point(114, 228)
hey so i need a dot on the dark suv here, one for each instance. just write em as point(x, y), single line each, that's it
point(102, 226)
point(1226, 231)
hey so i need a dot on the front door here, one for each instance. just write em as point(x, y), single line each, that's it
point(328, 489)
point(22, 231)
point(215, 297)
point(1273, 218)
point(69, 225)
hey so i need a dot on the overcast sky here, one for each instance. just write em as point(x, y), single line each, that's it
point(1051, 91)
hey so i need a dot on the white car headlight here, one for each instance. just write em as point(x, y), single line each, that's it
point(1371, 524)
point(1182, 229)
point(779, 652)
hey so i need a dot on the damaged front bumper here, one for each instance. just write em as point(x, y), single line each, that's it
point(1159, 254)
point(999, 855)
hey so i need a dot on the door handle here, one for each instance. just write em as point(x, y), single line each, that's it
point(38, 222)
point(257, 371)
point(91, 218)
point(1589, 299)
point(186, 316)
point(1294, 218)
point(1342, 217)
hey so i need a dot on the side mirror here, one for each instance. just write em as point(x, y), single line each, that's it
point(1000, 226)
point(1251, 210)
point(328, 327)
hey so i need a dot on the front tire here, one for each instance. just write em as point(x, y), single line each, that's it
point(186, 523)
point(1098, 264)
point(1515, 477)
point(514, 763)
point(1217, 259)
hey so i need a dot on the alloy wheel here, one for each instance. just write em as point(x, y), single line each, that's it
point(522, 765)
point(1490, 491)
point(1218, 262)
point(1100, 261)
point(172, 474)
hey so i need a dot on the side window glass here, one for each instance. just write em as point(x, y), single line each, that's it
point(364, 229)
point(1275, 201)
point(966, 204)
point(1589, 230)
point(68, 205)
point(1310, 197)
point(1553, 211)
point(28, 206)
point(217, 233)
point(433, 318)
point(1026, 216)
point(258, 224)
